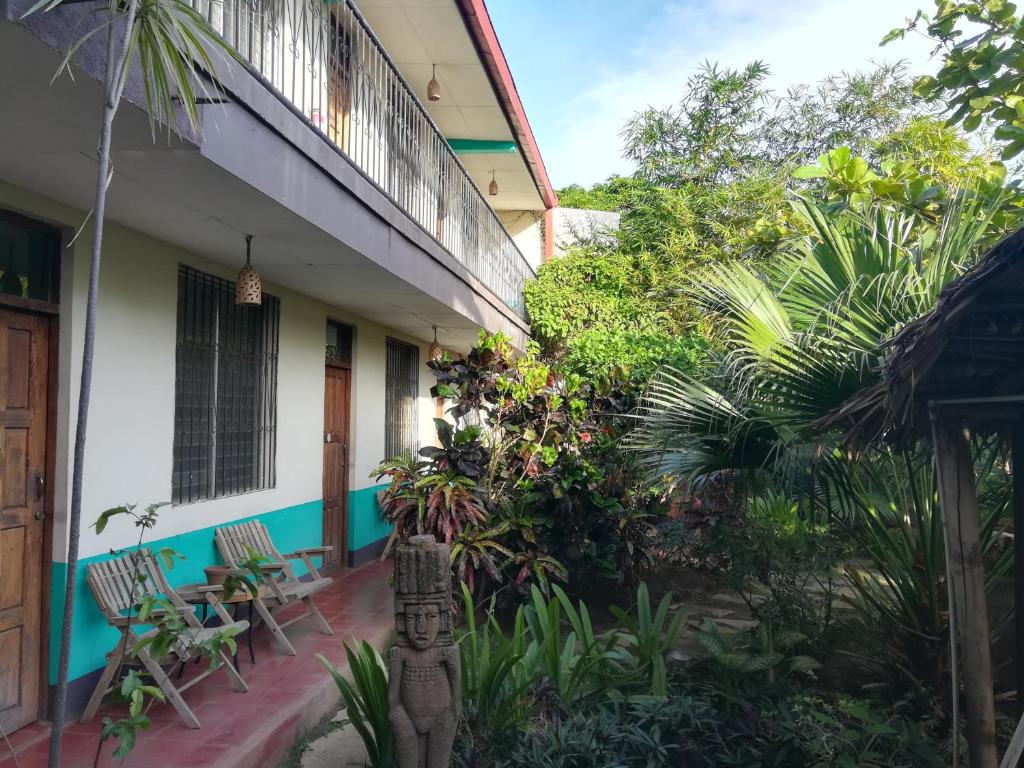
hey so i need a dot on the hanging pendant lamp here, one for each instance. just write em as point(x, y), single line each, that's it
point(248, 286)
point(435, 350)
point(492, 188)
point(434, 87)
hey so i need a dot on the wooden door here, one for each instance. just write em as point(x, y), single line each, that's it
point(23, 386)
point(336, 421)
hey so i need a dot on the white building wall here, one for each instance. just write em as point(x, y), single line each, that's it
point(527, 231)
point(575, 226)
point(131, 418)
point(368, 398)
point(132, 412)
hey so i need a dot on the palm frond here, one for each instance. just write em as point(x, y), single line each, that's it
point(802, 335)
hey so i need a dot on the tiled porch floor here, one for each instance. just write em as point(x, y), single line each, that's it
point(287, 694)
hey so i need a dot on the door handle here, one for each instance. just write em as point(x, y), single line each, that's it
point(40, 483)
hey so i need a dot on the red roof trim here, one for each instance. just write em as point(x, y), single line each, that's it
point(478, 21)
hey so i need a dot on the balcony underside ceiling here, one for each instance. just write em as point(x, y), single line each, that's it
point(177, 192)
point(420, 33)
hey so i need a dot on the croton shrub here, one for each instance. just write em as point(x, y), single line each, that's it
point(526, 482)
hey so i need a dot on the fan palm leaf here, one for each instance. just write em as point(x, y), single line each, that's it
point(802, 335)
point(688, 429)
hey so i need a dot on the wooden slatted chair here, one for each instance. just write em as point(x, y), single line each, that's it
point(111, 584)
point(238, 543)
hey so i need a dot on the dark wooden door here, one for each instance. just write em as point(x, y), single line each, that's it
point(336, 421)
point(23, 386)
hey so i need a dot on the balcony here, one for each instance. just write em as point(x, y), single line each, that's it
point(325, 63)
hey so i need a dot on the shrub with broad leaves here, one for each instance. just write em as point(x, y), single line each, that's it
point(526, 482)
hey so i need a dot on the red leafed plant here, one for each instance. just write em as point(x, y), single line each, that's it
point(444, 504)
point(525, 481)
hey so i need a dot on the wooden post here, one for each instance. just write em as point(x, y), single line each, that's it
point(964, 567)
point(1018, 558)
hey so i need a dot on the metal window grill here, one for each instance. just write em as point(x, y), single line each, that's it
point(225, 398)
point(338, 347)
point(401, 385)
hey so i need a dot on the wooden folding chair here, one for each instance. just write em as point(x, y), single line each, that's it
point(111, 583)
point(238, 543)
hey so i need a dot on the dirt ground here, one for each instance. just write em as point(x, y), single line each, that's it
point(340, 748)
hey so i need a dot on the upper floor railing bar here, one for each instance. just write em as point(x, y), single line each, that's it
point(324, 59)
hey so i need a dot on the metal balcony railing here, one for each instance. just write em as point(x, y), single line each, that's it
point(324, 60)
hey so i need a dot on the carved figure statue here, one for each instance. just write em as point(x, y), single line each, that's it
point(424, 687)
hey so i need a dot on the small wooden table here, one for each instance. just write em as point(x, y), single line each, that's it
point(239, 598)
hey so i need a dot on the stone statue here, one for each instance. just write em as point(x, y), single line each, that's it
point(424, 686)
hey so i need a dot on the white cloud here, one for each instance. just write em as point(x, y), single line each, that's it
point(803, 41)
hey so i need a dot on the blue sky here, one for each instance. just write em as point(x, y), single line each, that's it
point(583, 67)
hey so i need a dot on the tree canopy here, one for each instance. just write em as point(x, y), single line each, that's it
point(981, 80)
point(715, 183)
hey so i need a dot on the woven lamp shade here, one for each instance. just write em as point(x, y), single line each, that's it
point(434, 87)
point(436, 351)
point(248, 286)
point(492, 188)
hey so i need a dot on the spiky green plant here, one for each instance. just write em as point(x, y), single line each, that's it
point(892, 512)
point(579, 662)
point(650, 637)
point(366, 701)
point(493, 686)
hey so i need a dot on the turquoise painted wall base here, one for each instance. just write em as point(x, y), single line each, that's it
point(366, 523)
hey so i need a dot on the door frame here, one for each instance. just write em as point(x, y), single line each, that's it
point(51, 311)
point(343, 556)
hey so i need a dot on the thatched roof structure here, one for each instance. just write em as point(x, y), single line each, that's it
point(970, 347)
point(962, 363)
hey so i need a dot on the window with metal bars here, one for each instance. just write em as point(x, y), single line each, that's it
point(401, 385)
point(225, 397)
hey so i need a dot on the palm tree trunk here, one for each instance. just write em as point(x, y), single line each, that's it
point(113, 86)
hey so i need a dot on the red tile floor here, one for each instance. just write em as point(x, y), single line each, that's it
point(287, 694)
